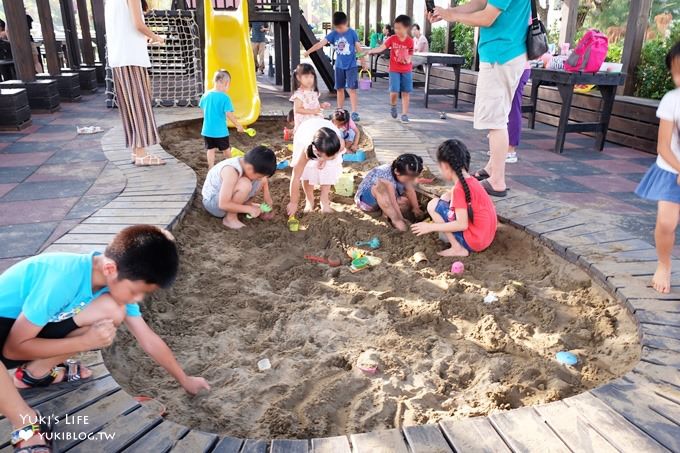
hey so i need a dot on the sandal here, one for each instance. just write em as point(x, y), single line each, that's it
point(491, 191)
point(71, 374)
point(482, 174)
point(150, 160)
point(42, 428)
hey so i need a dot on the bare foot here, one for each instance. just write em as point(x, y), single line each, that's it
point(61, 375)
point(662, 279)
point(231, 223)
point(455, 250)
point(327, 209)
point(309, 207)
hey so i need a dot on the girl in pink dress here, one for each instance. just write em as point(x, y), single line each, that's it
point(305, 96)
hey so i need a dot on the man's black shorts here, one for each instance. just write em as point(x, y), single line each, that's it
point(219, 143)
point(52, 330)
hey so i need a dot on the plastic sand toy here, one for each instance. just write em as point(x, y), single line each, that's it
point(345, 185)
point(235, 152)
point(264, 207)
point(287, 134)
point(283, 165)
point(566, 358)
point(357, 156)
point(331, 261)
point(293, 224)
point(250, 131)
point(360, 260)
point(457, 268)
point(373, 243)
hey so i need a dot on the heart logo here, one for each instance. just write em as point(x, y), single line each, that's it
point(25, 434)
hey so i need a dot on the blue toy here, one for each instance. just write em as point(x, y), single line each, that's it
point(566, 358)
point(358, 156)
point(373, 243)
point(283, 165)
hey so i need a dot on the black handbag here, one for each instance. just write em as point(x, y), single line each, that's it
point(537, 38)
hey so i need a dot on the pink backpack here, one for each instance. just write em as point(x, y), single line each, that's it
point(589, 54)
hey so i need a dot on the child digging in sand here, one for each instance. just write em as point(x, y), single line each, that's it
point(55, 305)
point(662, 181)
point(230, 185)
point(348, 129)
point(466, 216)
point(317, 161)
point(217, 107)
point(390, 188)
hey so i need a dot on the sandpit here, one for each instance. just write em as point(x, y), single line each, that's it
point(440, 350)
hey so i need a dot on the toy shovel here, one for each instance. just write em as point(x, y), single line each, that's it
point(332, 261)
point(264, 207)
point(373, 243)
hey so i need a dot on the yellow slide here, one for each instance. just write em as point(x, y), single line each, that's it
point(227, 46)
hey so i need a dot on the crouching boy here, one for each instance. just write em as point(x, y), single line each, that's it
point(230, 185)
point(55, 305)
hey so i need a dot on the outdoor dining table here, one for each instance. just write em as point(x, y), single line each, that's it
point(427, 60)
point(606, 83)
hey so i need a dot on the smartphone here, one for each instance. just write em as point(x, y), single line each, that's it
point(429, 4)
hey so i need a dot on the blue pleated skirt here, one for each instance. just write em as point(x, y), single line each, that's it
point(659, 185)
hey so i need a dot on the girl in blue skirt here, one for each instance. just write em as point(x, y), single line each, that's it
point(662, 181)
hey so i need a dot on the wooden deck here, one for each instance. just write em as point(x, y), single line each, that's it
point(639, 412)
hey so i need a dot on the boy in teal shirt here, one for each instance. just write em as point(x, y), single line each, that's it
point(53, 306)
point(217, 107)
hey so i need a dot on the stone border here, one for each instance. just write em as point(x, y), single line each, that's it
point(637, 412)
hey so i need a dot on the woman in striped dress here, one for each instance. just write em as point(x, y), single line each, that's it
point(126, 39)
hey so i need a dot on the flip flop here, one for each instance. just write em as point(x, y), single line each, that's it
point(482, 174)
point(491, 191)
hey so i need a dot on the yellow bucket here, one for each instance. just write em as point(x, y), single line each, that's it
point(345, 185)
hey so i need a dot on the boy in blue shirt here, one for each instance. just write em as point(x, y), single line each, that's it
point(347, 44)
point(55, 305)
point(217, 107)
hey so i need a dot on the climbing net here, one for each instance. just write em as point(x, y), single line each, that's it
point(176, 70)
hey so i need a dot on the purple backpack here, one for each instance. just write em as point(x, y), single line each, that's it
point(589, 54)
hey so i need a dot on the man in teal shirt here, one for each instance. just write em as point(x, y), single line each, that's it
point(503, 26)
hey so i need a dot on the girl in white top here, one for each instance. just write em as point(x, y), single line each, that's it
point(662, 181)
point(126, 41)
point(317, 161)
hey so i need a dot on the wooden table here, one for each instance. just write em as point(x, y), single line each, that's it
point(606, 82)
point(427, 59)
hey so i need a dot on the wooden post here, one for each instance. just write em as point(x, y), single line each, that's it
point(86, 44)
point(426, 28)
point(19, 36)
point(200, 21)
point(448, 48)
point(357, 9)
point(378, 15)
point(632, 46)
point(70, 33)
point(100, 28)
point(294, 34)
point(409, 9)
point(278, 53)
point(569, 16)
point(348, 11)
point(50, 42)
point(367, 21)
point(393, 10)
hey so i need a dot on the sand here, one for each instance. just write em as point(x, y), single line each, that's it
point(437, 349)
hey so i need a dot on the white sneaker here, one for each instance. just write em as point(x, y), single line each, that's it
point(511, 158)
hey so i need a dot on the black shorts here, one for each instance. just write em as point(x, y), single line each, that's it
point(219, 143)
point(53, 330)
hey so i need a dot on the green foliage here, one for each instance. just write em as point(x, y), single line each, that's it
point(615, 52)
point(462, 40)
point(653, 79)
point(438, 39)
